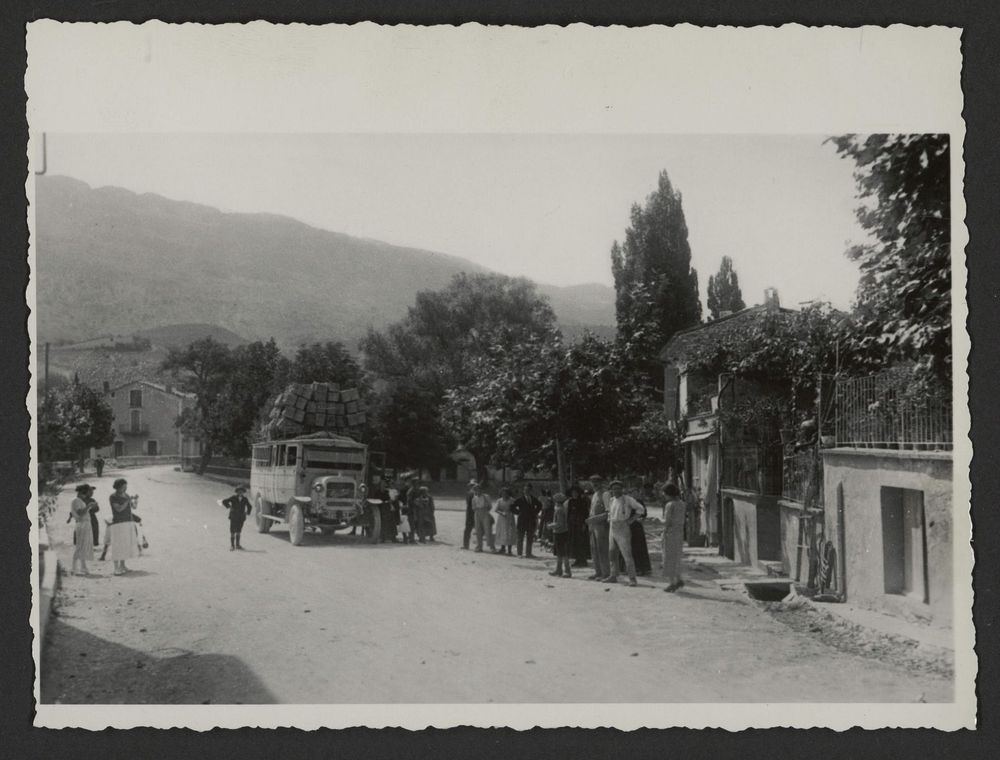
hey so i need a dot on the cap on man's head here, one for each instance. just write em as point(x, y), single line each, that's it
point(84, 487)
point(241, 488)
point(614, 483)
point(596, 478)
point(473, 483)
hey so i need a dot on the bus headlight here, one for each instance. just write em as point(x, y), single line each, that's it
point(318, 488)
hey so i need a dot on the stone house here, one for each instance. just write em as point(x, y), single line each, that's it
point(740, 516)
point(145, 415)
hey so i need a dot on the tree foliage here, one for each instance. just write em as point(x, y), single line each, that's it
point(231, 386)
point(904, 293)
point(724, 290)
point(72, 419)
point(437, 347)
point(783, 350)
point(328, 362)
point(575, 408)
point(656, 289)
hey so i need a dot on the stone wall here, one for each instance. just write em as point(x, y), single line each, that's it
point(863, 477)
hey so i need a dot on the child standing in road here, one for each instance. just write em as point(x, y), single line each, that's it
point(560, 537)
point(239, 509)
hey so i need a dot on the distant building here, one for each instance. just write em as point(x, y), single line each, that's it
point(145, 416)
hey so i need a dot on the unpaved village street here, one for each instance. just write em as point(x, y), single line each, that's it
point(340, 621)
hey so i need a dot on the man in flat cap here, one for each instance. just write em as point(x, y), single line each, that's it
point(598, 525)
point(239, 509)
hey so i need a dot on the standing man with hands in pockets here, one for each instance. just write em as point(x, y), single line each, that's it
point(621, 513)
point(527, 507)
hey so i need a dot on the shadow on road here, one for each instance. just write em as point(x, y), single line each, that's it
point(315, 541)
point(80, 668)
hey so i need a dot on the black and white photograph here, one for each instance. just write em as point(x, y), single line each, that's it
point(533, 406)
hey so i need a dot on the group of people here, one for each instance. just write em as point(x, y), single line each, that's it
point(121, 534)
point(407, 512)
point(603, 525)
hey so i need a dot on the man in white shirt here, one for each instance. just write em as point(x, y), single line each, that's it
point(621, 513)
point(597, 523)
point(481, 506)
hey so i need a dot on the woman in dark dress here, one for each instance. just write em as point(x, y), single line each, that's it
point(640, 552)
point(578, 509)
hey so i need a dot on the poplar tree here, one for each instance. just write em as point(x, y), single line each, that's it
point(724, 290)
point(656, 289)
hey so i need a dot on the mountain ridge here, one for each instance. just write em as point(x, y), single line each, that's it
point(113, 261)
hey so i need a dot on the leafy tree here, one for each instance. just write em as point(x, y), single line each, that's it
point(234, 386)
point(437, 347)
point(904, 293)
point(326, 362)
point(259, 372)
point(724, 290)
point(545, 404)
point(656, 289)
point(204, 368)
point(72, 419)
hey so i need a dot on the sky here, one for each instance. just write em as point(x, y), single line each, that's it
point(547, 207)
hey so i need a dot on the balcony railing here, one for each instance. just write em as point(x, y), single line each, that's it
point(128, 428)
point(887, 411)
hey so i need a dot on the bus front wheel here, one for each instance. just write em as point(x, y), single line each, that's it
point(296, 524)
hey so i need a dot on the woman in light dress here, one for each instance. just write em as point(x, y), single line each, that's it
point(82, 532)
point(506, 530)
point(674, 509)
point(123, 538)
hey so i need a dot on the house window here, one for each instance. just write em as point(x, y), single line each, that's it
point(152, 448)
point(904, 543)
point(135, 399)
point(135, 420)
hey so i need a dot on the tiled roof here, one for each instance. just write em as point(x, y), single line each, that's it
point(680, 343)
point(157, 386)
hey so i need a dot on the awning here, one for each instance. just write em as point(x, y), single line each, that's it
point(697, 436)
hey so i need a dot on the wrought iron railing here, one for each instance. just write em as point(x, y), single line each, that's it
point(888, 411)
point(752, 468)
point(802, 476)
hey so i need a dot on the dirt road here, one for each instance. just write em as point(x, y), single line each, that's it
point(340, 621)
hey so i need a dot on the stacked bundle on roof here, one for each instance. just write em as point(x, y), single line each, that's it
point(314, 408)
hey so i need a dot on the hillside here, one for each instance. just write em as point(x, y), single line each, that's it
point(111, 261)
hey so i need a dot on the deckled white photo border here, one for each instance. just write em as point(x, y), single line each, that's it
point(366, 78)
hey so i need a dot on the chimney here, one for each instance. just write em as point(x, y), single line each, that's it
point(771, 302)
point(107, 386)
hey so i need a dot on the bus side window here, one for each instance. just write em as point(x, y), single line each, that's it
point(291, 455)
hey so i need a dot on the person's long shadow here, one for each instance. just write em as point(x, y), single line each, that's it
point(81, 668)
point(135, 573)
